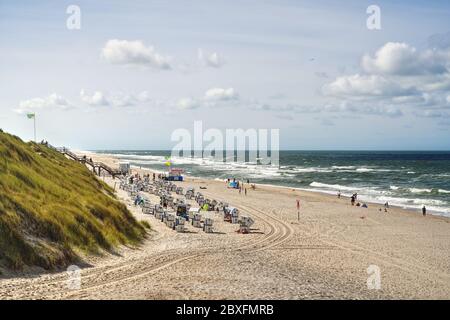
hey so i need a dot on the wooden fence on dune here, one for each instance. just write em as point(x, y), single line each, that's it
point(96, 166)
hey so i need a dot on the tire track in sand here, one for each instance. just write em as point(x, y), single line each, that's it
point(113, 274)
point(274, 237)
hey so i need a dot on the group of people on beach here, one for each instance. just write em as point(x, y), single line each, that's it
point(354, 198)
point(240, 185)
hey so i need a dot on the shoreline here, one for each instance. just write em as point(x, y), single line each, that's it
point(413, 203)
point(371, 202)
point(324, 196)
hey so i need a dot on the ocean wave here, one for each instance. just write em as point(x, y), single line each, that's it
point(331, 186)
point(222, 168)
point(427, 190)
point(376, 195)
point(338, 169)
point(381, 197)
point(418, 190)
point(137, 157)
point(154, 170)
point(412, 201)
point(363, 169)
point(311, 169)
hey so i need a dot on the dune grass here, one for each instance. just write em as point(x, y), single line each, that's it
point(52, 208)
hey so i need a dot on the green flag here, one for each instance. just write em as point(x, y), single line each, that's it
point(31, 115)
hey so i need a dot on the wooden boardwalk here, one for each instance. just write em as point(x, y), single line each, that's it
point(97, 167)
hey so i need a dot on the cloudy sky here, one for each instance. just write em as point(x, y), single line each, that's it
point(136, 71)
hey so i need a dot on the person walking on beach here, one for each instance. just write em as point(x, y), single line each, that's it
point(245, 191)
point(298, 209)
point(424, 211)
point(352, 200)
point(339, 194)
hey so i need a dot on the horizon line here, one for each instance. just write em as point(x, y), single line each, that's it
point(281, 150)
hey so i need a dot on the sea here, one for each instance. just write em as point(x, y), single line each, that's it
point(407, 179)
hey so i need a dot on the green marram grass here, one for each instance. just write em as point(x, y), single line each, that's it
point(52, 209)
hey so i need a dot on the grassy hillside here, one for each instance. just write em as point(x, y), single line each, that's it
point(52, 208)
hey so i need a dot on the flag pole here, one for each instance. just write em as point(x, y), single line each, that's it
point(34, 121)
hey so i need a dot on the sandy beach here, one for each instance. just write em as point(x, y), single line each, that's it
point(323, 255)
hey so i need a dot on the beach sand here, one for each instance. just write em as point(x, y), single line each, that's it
point(325, 254)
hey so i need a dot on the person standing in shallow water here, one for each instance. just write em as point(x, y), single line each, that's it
point(424, 211)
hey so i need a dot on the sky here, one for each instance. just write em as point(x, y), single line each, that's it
point(135, 71)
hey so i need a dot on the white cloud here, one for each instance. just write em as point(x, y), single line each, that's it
point(398, 77)
point(220, 94)
point(402, 59)
point(134, 53)
point(356, 86)
point(123, 100)
point(128, 100)
point(98, 98)
point(344, 108)
point(213, 60)
point(143, 96)
point(365, 109)
point(188, 104)
point(54, 101)
point(211, 98)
